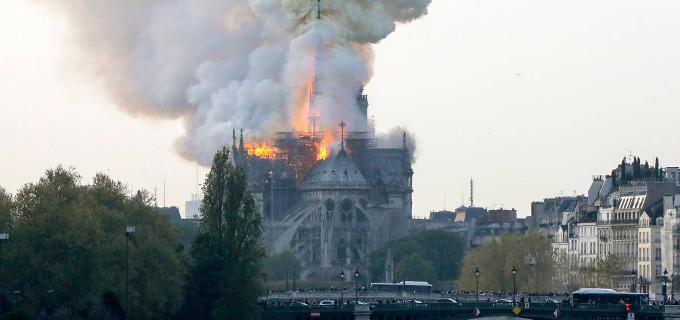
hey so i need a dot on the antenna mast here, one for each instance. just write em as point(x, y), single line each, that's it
point(472, 193)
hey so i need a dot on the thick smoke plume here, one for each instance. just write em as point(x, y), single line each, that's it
point(225, 64)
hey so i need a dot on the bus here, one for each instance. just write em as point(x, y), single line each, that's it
point(608, 296)
point(408, 286)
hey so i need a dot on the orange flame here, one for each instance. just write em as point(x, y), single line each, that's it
point(260, 150)
point(323, 146)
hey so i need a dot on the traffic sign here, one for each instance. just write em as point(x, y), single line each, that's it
point(631, 315)
point(526, 305)
point(476, 312)
point(557, 313)
point(516, 310)
point(316, 314)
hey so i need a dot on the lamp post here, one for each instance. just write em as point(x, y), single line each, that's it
point(356, 285)
point(294, 276)
point(633, 289)
point(3, 236)
point(477, 281)
point(665, 285)
point(342, 287)
point(286, 278)
point(514, 287)
point(129, 231)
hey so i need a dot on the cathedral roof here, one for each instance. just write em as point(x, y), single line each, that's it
point(338, 169)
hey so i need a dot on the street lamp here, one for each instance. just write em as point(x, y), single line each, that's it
point(634, 281)
point(294, 276)
point(665, 286)
point(514, 287)
point(129, 231)
point(356, 285)
point(3, 236)
point(342, 287)
point(477, 281)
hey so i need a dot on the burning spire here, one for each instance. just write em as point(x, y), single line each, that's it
point(314, 114)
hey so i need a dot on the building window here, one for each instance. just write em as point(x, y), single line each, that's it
point(658, 254)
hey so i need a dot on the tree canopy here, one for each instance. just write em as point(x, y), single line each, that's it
point(530, 254)
point(414, 267)
point(66, 253)
point(443, 249)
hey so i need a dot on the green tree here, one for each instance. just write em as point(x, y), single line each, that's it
point(623, 178)
point(414, 267)
point(67, 248)
point(444, 249)
point(225, 280)
point(5, 210)
point(276, 265)
point(657, 171)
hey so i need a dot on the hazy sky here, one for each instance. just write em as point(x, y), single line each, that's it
point(528, 98)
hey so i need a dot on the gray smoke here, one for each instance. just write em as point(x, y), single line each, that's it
point(395, 139)
point(224, 64)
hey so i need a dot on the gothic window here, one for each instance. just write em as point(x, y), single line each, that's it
point(330, 205)
point(347, 205)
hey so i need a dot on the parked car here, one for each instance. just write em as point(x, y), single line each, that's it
point(327, 303)
point(411, 301)
point(446, 300)
point(298, 303)
point(551, 300)
point(503, 302)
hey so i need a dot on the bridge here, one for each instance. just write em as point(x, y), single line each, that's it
point(437, 311)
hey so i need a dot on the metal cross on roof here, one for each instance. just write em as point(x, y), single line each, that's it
point(342, 133)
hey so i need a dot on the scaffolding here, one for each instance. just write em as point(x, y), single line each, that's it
point(299, 150)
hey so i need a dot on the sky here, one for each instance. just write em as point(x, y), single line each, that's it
point(528, 98)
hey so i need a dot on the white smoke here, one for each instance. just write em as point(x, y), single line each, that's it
point(225, 64)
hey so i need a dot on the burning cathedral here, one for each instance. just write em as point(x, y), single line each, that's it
point(330, 208)
point(328, 195)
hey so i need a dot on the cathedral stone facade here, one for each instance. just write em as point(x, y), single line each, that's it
point(333, 216)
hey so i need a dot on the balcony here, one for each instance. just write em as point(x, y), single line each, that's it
point(624, 221)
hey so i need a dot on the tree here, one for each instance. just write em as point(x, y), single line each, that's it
point(67, 248)
point(606, 268)
point(657, 172)
point(414, 267)
point(645, 170)
point(623, 171)
point(5, 210)
point(277, 265)
point(225, 280)
point(444, 249)
point(530, 254)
